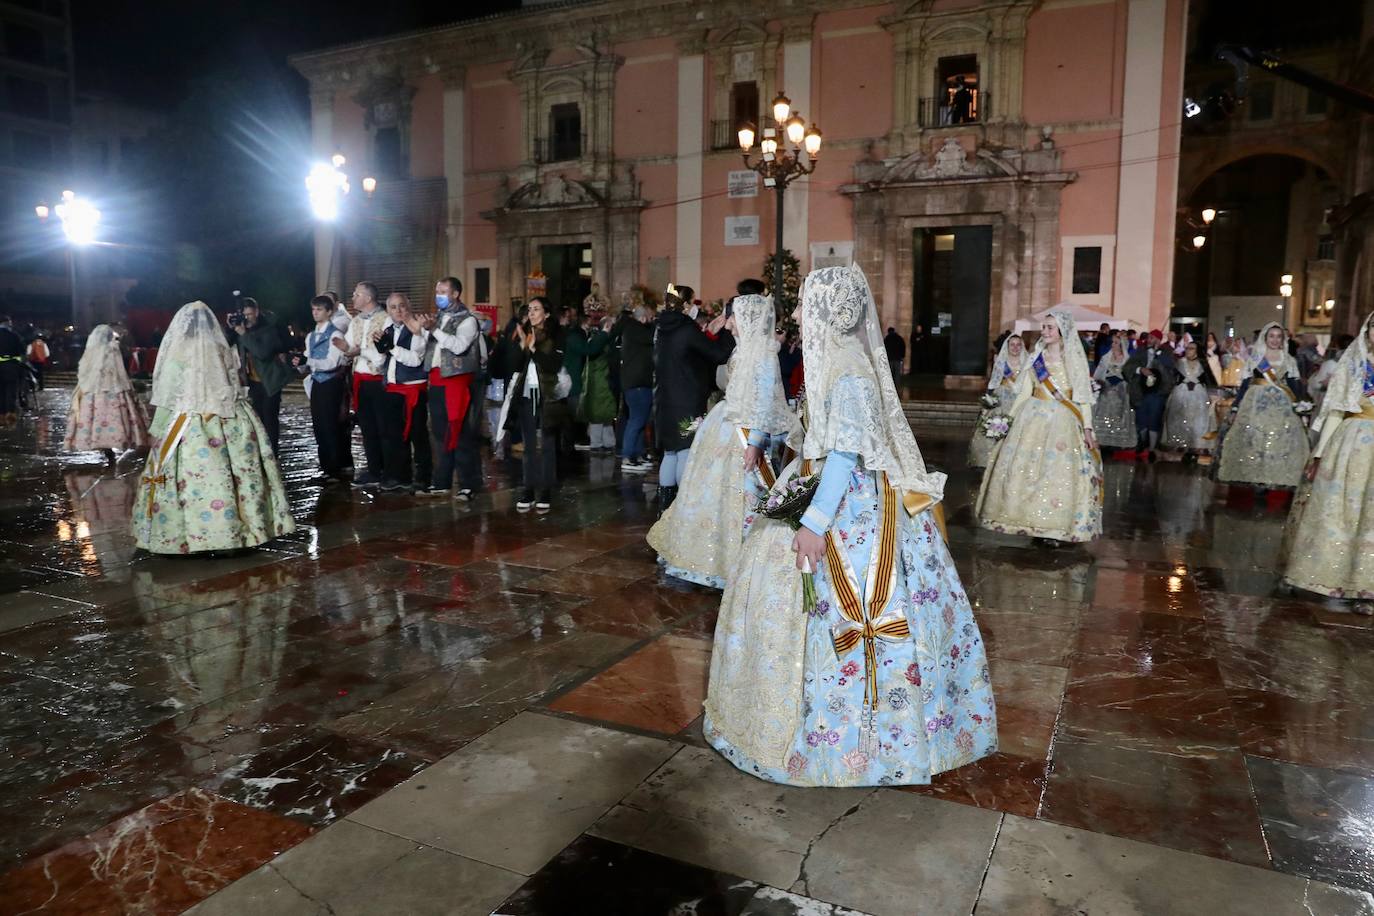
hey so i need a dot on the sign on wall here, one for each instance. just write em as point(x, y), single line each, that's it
point(744, 183)
point(741, 230)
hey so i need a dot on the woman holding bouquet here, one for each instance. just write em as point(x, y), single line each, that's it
point(882, 679)
point(699, 537)
point(1267, 446)
point(105, 413)
point(1045, 479)
point(1113, 417)
point(1331, 543)
point(997, 401)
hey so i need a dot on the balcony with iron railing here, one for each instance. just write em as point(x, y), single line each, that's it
point(939, 110)
point(560, 149)
point(724, 135)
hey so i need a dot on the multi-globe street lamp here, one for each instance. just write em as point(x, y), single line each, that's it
point(80, 221)
point(780, 166)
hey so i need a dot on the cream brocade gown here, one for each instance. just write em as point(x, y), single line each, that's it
point(1331, 531)
point(698, 539)
point(980, 446)
point(1267, 445)
point(1043, 480)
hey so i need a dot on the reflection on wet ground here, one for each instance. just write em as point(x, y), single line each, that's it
point(170, 725)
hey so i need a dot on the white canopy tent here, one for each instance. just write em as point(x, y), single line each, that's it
point(1087, 319)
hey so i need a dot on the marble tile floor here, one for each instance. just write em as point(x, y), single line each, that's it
point(429, 707)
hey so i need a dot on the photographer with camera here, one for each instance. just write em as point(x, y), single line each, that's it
point(263, 348)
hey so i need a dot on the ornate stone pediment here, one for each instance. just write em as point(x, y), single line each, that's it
point(553, 190)
point(950, 161)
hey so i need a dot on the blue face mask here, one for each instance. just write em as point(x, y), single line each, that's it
point(441, 301)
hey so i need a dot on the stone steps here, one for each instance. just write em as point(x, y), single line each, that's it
point(942, 413)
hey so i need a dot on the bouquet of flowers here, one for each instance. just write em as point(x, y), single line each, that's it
point(688, 427)
point(996, 426)
point(989, 400)
point(1303, 408)
point(788, 503)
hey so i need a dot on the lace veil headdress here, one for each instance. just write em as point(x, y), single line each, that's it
point(102, 364)
point(196, 370)
point(754, 396)
point(1260, 351)
point(1345, 392)
point(1075, 360)
point(1003, 360)
point(841, 338)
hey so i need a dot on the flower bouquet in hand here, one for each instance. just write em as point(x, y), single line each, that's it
point(687, 429)
point(1303, 408)
point(996, 427)
point(988, 400)
point(788, 502)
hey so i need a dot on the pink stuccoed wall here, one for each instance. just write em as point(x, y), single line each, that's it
point(1073, 79)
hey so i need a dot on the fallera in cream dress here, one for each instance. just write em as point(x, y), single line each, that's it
point(1043, 480)
point(1331, 528)
point(1266, 445)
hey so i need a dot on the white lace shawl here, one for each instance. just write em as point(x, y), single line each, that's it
point(1345, 391)
point(841, 339)
point(1075, 360)
point(1111, 364)
point(196, 371)
point(102, 364)
point(1003, 360)
point(1287, 366)
point(754, 396)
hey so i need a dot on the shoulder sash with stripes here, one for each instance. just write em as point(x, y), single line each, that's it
point(1274, 379)
point(154, 475)
point(863, 620)
point(765, 470)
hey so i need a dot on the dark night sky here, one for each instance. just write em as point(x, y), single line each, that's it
point(146, 51)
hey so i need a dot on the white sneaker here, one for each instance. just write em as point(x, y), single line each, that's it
point(635, 467)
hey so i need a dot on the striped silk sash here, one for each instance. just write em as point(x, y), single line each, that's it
point(154, 474)
point(862, 624)
point(765, 470)
point(1273, 378)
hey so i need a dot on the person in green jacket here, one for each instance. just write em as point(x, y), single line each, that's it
point(597, 404)
point(262, 347)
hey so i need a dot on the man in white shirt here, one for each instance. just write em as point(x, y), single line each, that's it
point(324, 366)
point(369, 387)
point(407, 463)
point(455, 356)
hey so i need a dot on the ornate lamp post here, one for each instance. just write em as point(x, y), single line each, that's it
point(328, 187)
point(779, 166)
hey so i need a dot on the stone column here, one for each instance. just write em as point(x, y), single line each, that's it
point(455, 164)
point(691, 140)
point(796, 74)
point(1137, 206)
point(328, 270)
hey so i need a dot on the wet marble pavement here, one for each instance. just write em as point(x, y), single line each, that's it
point(415, 706)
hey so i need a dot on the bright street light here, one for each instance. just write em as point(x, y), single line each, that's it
point(326, 185)
point(1199, 241)
point(79, 219)
point(1208, 214)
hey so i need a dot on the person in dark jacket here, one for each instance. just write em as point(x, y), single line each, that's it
point(684, 368)
point(262, 345)
point(635, 331)
point(896, 354)
point(1150, 376)
point(11, 371)
point(538, 411)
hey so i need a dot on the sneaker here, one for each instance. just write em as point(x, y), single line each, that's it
point(431, 491)
point(582, 446)
point(542, 504)
point(392, 486)
point(464, 494)
point(635, 466)
point(525, 501)
point(364, 480)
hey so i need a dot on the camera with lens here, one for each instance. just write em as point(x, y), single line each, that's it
point(235, 319)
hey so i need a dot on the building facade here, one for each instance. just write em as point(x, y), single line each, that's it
point(982, 159)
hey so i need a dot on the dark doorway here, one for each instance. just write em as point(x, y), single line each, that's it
point(950, 299)
point(569, 272)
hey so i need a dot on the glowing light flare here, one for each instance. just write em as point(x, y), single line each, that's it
point(1285, 289)
point(1199, 241)
point(746, 137)
point(782, 108)
point(80, 219)
point(1208, 214)
point(813, 141)
point(326, 186)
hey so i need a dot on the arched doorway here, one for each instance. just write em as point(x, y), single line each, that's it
point(1270, 221)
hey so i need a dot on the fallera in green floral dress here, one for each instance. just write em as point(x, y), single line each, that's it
point(219, 489)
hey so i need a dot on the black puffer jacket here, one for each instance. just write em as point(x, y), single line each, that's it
point(684, 367)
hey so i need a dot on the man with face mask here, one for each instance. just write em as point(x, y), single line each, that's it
point(455, 359)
